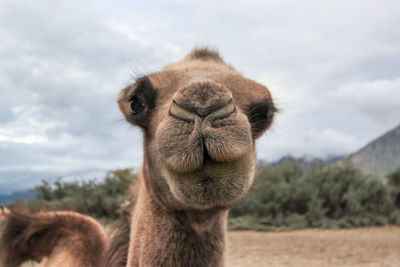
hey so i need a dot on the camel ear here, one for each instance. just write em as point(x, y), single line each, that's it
point(261, 115)
point(137, 101)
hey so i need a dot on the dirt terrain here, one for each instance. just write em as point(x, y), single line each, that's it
point(355, 247)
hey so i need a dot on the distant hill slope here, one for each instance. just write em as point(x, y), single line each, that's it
point(21, 195)
point(379, 157)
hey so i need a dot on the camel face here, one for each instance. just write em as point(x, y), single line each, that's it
point(200, 119)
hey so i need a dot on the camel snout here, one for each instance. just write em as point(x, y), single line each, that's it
point(202, 98)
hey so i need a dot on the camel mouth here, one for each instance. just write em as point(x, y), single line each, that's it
point(198, 159)
point(207, 162)
point(215, 184)
point(188, 143)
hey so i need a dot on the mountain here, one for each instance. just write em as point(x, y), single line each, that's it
point(306, 163)
point(22, 195)
point(379, 157)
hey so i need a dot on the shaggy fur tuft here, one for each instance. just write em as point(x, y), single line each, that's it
point(117, 255)
point(205, 54)
point(33, 236)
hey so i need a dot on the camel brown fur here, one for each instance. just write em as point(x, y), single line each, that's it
point(67, 238)
point(200, 118)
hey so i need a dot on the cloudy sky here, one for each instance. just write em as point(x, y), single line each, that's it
point(332, 66)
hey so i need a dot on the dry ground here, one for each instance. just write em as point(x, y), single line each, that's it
point(355, 247)
point(308, 248)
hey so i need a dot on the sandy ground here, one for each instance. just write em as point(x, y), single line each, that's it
point(308, 248)
point(355, 247)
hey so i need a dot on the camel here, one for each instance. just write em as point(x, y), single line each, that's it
point(200, 119)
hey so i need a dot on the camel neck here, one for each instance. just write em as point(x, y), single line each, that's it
point(161, 237)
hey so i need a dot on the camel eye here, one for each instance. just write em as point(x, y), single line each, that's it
point(260, 116)
point(135, 106)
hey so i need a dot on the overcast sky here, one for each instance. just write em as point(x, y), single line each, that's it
point(333, 68)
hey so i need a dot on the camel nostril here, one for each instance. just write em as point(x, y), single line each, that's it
point(212, 112)
point(222, 112)
point(216, 110)
point(181, 113)
point(202, 97)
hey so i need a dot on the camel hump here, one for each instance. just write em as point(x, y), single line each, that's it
point(27, 235)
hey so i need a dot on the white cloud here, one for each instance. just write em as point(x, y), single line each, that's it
point(379, 99)
point(30, 139)
point(300, 141)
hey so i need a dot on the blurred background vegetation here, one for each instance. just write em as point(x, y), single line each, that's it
point(298, 195)
point(290, 194)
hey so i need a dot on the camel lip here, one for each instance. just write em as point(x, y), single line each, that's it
point(206, 156)
point(206, 180)
point(207, 165)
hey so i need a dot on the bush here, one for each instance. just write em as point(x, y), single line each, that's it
point(243, 223)
point(99, 199)
point(394, 184)
point(395, 217)
point(289, 195)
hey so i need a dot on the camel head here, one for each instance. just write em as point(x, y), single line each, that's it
point(200, 118)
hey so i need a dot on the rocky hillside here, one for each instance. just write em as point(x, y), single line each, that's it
point(379, 157)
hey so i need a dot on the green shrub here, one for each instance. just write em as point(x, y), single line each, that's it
point(289, 195)
point(99, 199)
point(243, 223)
point(395, 217)
point(394, 184)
